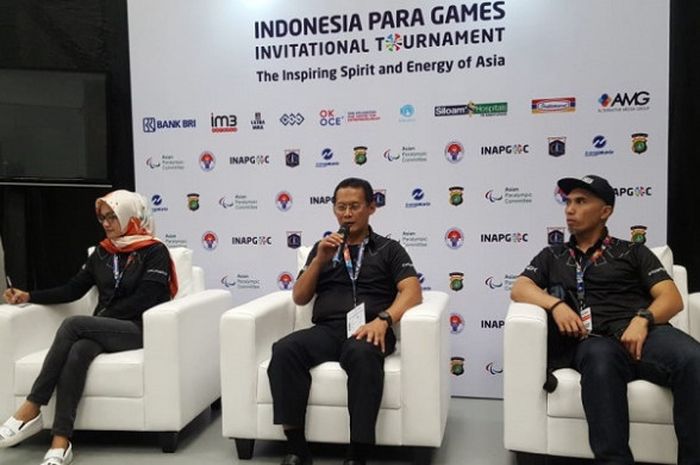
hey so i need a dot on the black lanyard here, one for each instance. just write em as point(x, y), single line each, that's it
point(118, 275)
point(581, 269)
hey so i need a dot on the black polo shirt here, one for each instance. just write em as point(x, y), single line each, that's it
point(616, 286)
point(384, 264)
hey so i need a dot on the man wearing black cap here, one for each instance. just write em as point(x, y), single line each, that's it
point(608, 303)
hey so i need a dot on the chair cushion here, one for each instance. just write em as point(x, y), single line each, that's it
point(648, 402)
point(329, 384)
point(182, 257)
point(665, 255)
point(119, 374)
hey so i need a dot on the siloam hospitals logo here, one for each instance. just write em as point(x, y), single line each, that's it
point(472, 109)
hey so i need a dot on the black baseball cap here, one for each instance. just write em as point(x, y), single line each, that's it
point(598, 186)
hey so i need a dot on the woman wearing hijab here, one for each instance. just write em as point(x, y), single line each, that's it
point(132, 271)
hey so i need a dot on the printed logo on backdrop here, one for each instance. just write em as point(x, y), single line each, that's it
point(379, 197)
point(471, 109)
point(167, 163)
point(293, 239)
point(408, 154)
point(157, 204)
point(258, 160)
point(221, 124)
point(292, 119)
point(240, 281)
point(456, 323)
point(285, 281)
point(255, 241)
point(360, 154)
point(210, 240)
point(492, 370)
point(556, 146)
point(454, 151)
point(362, 116)
point(633, 191)
point(391, 156)
point(413, 239)
point(454, 238)
point(407, 113)
point(492, 324)
point(553, 105)
point(283, 200)
point(559, 196)
point(514, 149)
point(418, 199)
point(207, 161)
point(172, 240)
point(238, 202)
point(639, 142)
point(151, 124)
point(257, 123)
point(457, 366)
point(511, 195)
point(423, 282)
point(193, 201)
point(320, 200)
point(599, 144)
point(456, 195)
point(624, 101)
point(327, 157)
point(456, 281)
point(638, 234)
point(501, 237)
point(328, 118)
point(555, 235)
point(505, 283)
point(292, 157)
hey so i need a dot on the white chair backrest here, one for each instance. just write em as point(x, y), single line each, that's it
point(665, 255)
point(302, 317)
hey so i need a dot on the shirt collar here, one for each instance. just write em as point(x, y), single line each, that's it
point(599, 243)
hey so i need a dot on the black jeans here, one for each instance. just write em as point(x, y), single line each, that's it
point(670, 358)
point(78, 341)
point(295, 354)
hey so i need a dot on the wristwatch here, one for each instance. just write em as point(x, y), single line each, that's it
point(384, 316)
point(647, 315)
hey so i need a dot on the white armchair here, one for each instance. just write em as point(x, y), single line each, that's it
point(555, 424)
point(416, 394)
point(159, 388)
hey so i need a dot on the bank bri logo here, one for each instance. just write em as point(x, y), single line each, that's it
point(150, 124)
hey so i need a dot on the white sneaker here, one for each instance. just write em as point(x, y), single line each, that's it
point(59, 456)
point(14, 431)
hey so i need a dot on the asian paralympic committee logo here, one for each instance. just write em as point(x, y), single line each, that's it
point(152, 164)
point(454, 152)
point(454, 238)
point(207, 161)
point(210, 240)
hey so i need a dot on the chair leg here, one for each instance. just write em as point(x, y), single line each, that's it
point(423, 455)
point(244, 448)
point(168, 441)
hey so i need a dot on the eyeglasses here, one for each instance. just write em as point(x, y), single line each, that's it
point(342, 208)
point(110, 217)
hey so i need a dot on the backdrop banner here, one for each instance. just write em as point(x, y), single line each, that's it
point(461, 115)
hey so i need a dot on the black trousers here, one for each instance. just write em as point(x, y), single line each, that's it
point(295, 354)
point(78, 341)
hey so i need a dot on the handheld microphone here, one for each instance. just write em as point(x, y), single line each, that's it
point(343, 231)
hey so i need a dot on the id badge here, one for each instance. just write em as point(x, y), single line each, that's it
point(355, 318)
point(587, 318)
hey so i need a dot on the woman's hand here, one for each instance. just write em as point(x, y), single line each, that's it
point(15, 296)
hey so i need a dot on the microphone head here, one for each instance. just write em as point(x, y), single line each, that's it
point(344, 231)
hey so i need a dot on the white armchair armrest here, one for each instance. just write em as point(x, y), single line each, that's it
point(181, 365)
point(524, 373)
point(28, 328)
point(425, 358)
point(694, 315)
point(247, 334)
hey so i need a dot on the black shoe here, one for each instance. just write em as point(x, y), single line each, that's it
point(354, 462)
point(293, 459)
